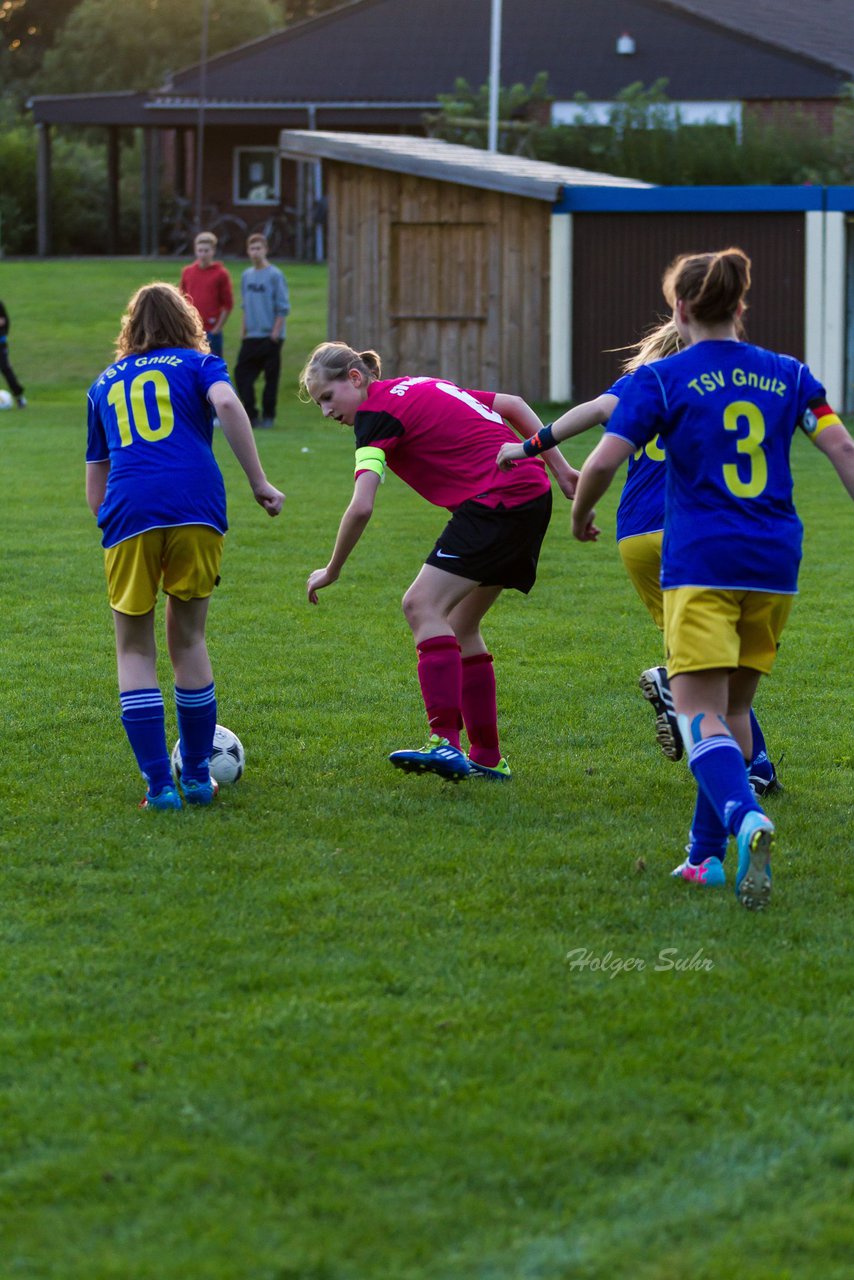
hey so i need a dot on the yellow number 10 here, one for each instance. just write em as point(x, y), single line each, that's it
point(750, 445)
point(128, 400)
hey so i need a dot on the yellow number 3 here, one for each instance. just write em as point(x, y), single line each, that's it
point(734, 415)
point(132, 410)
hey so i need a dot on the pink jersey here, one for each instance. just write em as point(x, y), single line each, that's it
point(443, 441)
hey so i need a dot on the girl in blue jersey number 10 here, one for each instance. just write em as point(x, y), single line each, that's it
point(726, 412)
point(155, 487)
point(640, 526)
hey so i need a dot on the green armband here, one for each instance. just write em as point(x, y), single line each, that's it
point(370, 459)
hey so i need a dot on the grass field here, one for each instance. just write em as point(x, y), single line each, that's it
point(354, 1025)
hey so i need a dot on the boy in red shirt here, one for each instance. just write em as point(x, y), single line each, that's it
point(208, 286)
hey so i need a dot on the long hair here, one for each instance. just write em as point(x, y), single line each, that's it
point(656, 343)
point(332, 361)
point(158, 315)
point(711, 284)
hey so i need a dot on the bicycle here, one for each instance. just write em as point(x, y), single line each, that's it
point(229, 229)
point(279, 229)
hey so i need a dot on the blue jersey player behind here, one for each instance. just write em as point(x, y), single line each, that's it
point(640, 527)
point(726, 412)
point(154, 485)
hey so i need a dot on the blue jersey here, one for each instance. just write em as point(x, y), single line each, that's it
point(641, 508)
point(150, 417)
point(726, 412)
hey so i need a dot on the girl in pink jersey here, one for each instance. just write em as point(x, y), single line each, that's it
point(442, 441)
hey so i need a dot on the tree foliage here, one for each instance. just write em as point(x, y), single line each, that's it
point(298, 10)
point(79, 182)
point(464, 114)
point(104, 45)
point(645, 138)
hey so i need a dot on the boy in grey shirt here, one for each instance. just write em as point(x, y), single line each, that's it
point(264, 293)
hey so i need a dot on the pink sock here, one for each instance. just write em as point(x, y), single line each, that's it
point(441, 676)
point(479, 710)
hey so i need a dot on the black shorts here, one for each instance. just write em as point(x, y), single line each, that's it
point(494, 546)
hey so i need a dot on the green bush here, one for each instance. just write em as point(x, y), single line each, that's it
point(79, 191)
point(644, 138)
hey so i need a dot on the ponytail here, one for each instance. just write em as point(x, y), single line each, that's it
point(332, 361)
point(713, 285)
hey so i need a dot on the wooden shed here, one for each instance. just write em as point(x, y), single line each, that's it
point(500, 271)
point(443, 257)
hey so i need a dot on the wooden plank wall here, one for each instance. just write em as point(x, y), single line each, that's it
point(618, 262)
point(440, 278)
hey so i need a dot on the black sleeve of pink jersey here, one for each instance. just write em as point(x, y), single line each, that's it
point(377, 428)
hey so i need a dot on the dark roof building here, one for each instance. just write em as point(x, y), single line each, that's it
point(379, 65)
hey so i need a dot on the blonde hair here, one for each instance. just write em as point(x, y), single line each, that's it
point(158, 315)
point(332, 361)
point(712, 285)
point(257, 237)
point(205, 237)
point(656, 344)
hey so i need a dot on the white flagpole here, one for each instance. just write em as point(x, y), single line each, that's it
point(494, 74)
point(200, 123)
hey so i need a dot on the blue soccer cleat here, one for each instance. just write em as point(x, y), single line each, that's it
point(709, 874)
point(655, 687)
point(436, 756)
point(496, 773)
point(199, 792)
point(166, 798)
point(755, 846)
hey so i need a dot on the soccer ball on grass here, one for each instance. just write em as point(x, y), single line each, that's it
point(6, 400)
point(227, 758)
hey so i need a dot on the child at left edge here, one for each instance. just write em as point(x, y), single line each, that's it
point(5, 367)
point(154, 485)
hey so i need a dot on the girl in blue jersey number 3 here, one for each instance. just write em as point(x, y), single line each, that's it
point(640, 528)
point(726, 412)
point(155, 487)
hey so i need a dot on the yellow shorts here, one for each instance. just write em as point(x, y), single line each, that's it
point(187, 557)
point(706, 628)
point(641, 556)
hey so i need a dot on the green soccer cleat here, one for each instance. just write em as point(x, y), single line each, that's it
point(436, 756)
point(497, 773)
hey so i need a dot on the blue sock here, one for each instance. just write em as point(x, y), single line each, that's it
point(196, 725)
point(718, 766)
point(760, 764)
point(708, 834)
point(145, 725)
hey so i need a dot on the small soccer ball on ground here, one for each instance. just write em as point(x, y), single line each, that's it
point(6, 400)
point(227, 758)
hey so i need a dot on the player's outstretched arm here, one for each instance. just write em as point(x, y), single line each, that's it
point(581, 417)
point(522, 418)
point(237, 430)
point(353, 524)
point(836, 443)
